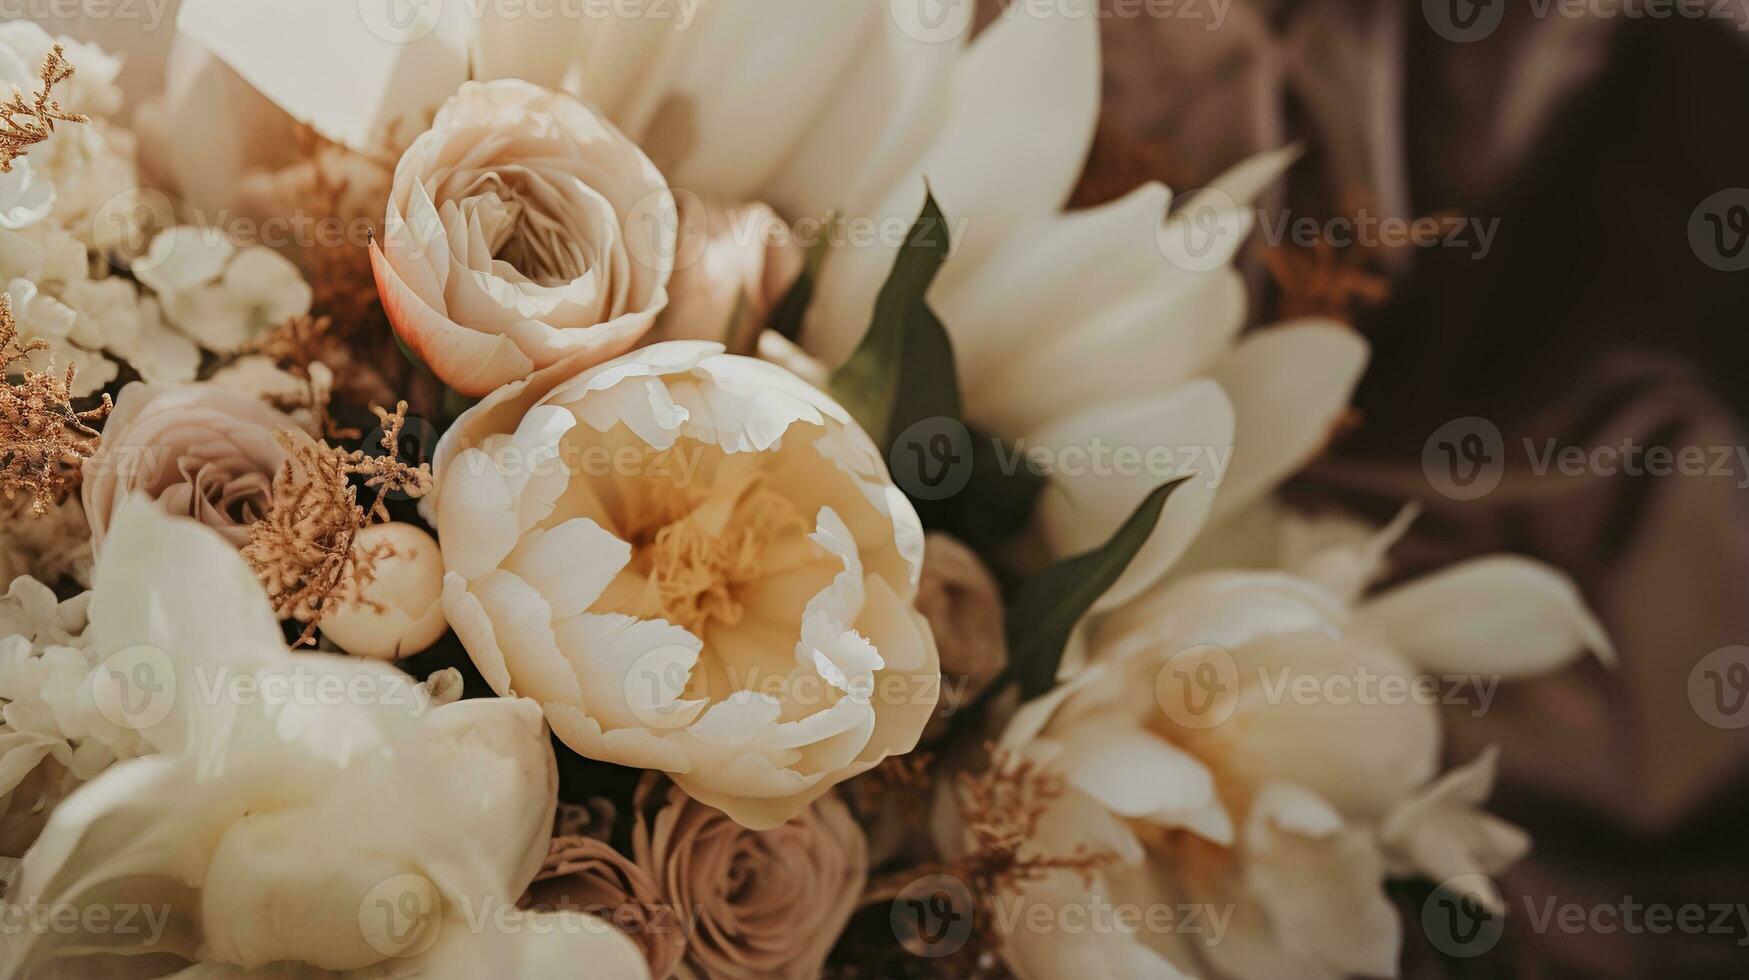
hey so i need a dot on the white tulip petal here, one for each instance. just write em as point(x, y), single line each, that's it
point(1132, 773)
point(1188, 432)
point(1290, 385)
point(1502, 615)
point(883, 116)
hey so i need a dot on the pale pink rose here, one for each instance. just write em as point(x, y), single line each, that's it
point(769, 904)
point(734, 266)
point(522, 229)
point(583, 874)
point(200, 450)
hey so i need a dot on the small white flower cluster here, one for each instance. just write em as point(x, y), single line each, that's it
point(73, 210)
point(52, 738)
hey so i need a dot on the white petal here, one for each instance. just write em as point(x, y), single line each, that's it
point(1185, 433)
point(1501, 615)
point(1290, 385)
point(25, 196)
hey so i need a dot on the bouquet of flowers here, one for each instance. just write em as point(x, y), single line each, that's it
point(669, 490)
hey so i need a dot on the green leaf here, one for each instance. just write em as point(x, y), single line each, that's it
point(903, 369)
point(1046, 607)
point(787, 316)
point(997, 502)
point(928, 386)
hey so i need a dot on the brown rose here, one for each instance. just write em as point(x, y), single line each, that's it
point(765, 904)
point(584, 874)
point(963, 604)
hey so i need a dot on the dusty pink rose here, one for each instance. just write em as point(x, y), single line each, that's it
point(522, 229)
point(733, 267)
point(766, 903)
point(200, 450)
point(584, 874)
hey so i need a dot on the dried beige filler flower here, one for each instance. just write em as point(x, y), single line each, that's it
point(303, 550)
point(25, 124)
point(1001, 808)
point(43, 438)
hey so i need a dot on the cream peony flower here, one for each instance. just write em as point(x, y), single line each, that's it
point(696, 563)
point(769, 903)
point(1222, 744)
point(243, 832)
point(199, 450)
point(522, 229)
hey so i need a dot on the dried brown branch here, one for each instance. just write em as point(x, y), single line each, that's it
point(304, 549)
point(1001, 808)
point(1319, 281)
point(25, 124)
point(44, 440)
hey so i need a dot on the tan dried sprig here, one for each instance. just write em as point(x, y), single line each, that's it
point(302, 342)
point(1320, 281)
point(345, 286)
point(44, 440)
point(296, 343)
point(25, 124)
point(1001, 808)
point(304, 549)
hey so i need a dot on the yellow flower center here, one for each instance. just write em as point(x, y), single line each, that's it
point(700, 547)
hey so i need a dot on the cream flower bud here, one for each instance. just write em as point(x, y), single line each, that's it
point(408, 588)
point(734, 264)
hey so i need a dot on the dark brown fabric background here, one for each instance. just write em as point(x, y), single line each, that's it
point(1592, 320)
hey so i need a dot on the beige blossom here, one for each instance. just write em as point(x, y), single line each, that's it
point(522, 229)
point(696, 563)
